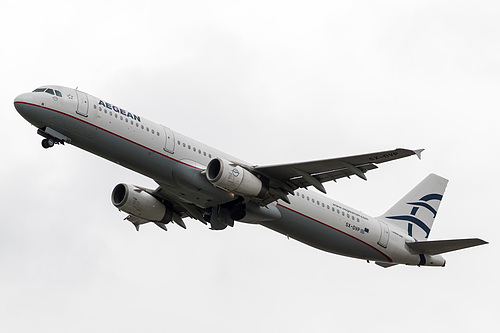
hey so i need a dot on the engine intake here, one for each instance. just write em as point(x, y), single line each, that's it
point(234, 178)
point(137, 202)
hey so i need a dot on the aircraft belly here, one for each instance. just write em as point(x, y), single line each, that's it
point(323, 237)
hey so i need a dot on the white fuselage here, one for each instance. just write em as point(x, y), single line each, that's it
point(176, 162)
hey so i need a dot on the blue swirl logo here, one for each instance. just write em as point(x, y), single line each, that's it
point(422, 203)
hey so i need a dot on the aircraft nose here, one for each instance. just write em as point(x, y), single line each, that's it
point(23, 104)
point(21, 99)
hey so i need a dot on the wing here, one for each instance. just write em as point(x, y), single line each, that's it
point(284, 179)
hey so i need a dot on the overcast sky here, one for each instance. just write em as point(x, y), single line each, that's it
point(269, 82)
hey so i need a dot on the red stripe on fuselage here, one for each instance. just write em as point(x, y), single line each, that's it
point(329, 226)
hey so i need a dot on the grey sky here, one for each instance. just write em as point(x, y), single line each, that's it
point(269, 82)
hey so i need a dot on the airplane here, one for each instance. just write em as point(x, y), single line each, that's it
point(200, 182)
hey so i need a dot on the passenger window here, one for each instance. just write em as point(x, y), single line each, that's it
point(50, 91)
point(58, 93)
point(152, 131)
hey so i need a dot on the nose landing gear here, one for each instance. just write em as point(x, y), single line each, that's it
point(52, 137)
point(48, 143)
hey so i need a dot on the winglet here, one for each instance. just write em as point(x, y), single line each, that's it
point(418, 152)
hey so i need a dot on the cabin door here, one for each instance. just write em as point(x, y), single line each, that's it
point(82, 106)
point(384, 234)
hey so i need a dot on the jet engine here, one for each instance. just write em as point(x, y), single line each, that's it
point(138, 202)
point(233, 178)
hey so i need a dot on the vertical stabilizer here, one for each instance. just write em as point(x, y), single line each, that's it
point(416, 211)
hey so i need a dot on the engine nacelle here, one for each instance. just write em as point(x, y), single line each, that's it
point(233, 178)
point(136, 201)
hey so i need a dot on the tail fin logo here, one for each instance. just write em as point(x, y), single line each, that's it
point(422, 203)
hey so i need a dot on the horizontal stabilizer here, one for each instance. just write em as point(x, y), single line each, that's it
point(443, 246)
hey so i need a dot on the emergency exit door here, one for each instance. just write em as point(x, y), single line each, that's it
point(169, 140)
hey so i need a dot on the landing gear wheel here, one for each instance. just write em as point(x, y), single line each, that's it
point(47, 143)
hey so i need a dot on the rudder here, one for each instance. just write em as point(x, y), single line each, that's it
point(416, 211)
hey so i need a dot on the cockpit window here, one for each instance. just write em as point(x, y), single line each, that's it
point(48, 91)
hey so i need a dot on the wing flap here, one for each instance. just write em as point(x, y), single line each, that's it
point(443, 246)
